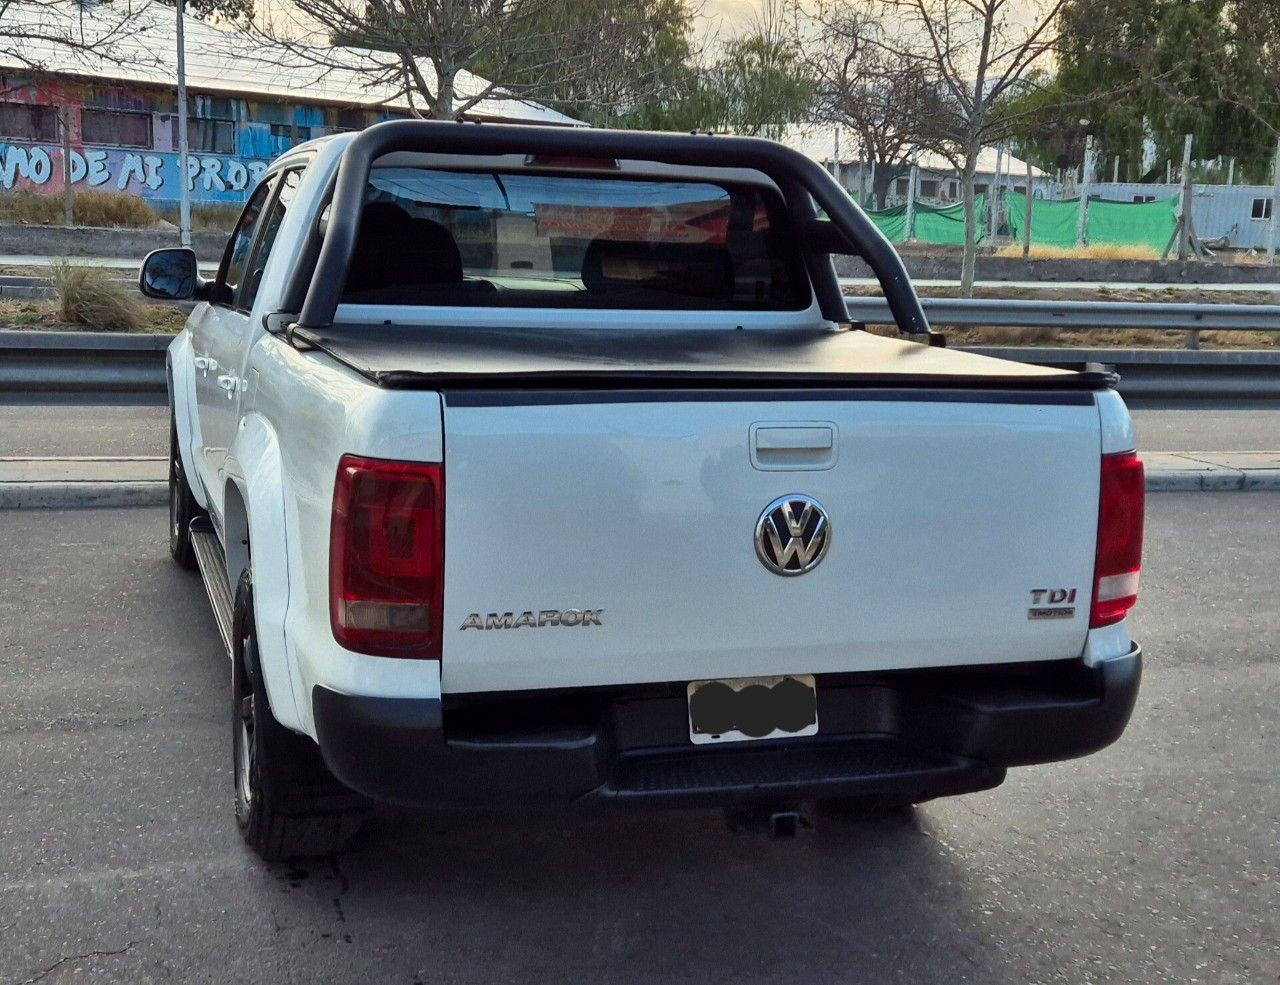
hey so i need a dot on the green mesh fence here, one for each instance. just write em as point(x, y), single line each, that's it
point(941, 226)
point(1055, 224)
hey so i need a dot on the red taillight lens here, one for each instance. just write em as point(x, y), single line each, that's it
point(1120, 514)
point(386, 557)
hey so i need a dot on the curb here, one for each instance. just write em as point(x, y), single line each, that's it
point(1217, 480)
point(81, 495)
point(83, 481)
point(1206, 471)
point(90, 495)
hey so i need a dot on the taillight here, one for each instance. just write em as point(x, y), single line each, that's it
point(1119, 560)
point(386, 557)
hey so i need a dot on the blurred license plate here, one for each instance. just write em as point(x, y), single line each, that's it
point(748, 708)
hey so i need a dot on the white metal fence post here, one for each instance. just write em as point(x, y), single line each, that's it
point(1275, 205)
point(993, 200)
point(913, 184)
point(1026, 240)
point(1085, 177)
point(835, 160)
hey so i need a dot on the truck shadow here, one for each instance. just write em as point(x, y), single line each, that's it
point(660, 897)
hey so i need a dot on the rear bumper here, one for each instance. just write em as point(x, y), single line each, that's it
point(901, 736)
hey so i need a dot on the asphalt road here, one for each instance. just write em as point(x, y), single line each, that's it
point(1153, 861)
point(74, 429)
point(1208, 429)
point(142, 429)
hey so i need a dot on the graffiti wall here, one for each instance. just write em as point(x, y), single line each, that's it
point(124, 138)
point(151, 175)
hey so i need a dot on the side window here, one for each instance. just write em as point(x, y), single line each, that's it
point(236, 257)
point(288, 185)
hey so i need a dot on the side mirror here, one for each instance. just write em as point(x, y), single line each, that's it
point(170, 275)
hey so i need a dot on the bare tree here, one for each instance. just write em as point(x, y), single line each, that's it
point(761, 76)
point(431, 53)
point(891, 105)
point(35, 32)
point(980, 51)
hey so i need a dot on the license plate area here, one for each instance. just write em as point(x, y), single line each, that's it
point(746, 709)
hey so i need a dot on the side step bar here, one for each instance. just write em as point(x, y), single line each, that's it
point(213, 569)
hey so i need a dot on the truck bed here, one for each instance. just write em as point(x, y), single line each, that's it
point(440, 357)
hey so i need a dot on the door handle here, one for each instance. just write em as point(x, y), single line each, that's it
point(804, 446)
point(229, 383)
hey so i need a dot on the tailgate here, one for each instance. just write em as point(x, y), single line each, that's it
point(945, 512)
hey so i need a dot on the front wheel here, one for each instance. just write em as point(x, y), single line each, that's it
point(288, 804)
point(183, 507)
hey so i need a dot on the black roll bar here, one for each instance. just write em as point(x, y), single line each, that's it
point(789, 169)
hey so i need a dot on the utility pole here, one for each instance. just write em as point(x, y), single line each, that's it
point(1085, 177)
point(1184, 226)
point(1026, 241)
point(1275, 205)
point(68, 196)
point(184, 190)
point(1231, 172)
point(1115, 171)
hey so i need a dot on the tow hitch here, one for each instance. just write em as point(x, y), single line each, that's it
point(776, 822)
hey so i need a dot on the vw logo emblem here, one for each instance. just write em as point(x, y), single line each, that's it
point(792, 535)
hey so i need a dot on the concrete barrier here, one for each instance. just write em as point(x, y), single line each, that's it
point(87, 241)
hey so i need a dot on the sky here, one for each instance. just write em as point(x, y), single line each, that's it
point(735, 13)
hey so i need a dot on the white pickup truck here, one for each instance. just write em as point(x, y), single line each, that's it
point(530, 467)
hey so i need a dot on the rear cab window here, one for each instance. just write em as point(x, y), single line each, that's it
point(509, 238)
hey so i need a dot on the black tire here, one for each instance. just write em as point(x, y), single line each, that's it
point(288, 804)
point(183, 507)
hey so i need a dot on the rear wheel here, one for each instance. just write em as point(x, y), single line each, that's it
point(183, 507)
point(288, 804)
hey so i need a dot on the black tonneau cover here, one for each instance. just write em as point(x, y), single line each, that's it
point(430, 357)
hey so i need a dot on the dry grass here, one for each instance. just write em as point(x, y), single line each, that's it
point(1251, 258)
point(113, 210)
point(91, 297)
point(92, 208)
point(215, 218)
point(1118, 338)
point(1054, 292)
point(1094, 251)
point(23, 314)
point(22, 205)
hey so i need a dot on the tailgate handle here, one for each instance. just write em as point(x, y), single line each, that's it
point(786, 447)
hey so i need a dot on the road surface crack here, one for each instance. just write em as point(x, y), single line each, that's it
point(79, 957)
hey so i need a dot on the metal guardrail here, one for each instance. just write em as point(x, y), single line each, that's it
point(104, 363)
point(82, 362)
point(1167, 375)
point(1079, 315)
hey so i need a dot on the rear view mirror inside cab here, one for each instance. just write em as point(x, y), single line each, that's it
point(825, 237)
